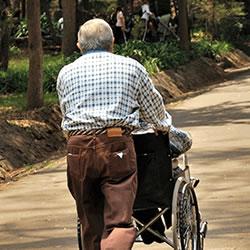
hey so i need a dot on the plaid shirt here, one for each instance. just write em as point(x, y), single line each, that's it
point(101, 89)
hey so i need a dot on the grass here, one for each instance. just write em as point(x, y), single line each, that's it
point(17, 102)
point(16, 78)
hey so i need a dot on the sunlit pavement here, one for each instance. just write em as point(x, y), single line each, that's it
point(37, 212)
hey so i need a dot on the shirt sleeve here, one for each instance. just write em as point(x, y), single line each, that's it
point(59, 88)
point(151, 104)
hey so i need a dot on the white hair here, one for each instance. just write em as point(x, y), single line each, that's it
point(95, 34)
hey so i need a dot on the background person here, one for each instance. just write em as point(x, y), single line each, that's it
point(146, 13)
point(102, 96)
point(120, 26)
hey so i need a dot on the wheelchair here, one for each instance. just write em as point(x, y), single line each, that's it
point(164, 201)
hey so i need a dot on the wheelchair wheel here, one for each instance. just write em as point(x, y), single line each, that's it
point(185, 217)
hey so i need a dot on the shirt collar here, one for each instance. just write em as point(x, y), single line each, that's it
point(94, 51)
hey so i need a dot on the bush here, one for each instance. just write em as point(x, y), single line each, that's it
point(205, 46)
point(154, 56)
point(225, 19)
point(21, 30)
point(15, 79)
point(17, 101)
point(14, 51)
point(51, 68)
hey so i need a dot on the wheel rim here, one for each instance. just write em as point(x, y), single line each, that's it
point(188, 221)
point(185, 218)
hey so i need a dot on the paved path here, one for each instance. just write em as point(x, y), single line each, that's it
point(37, 212)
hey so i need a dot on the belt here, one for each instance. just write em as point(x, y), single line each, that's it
point(110, 132)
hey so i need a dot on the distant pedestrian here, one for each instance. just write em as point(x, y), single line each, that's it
point(120, 26)
point(146, 14)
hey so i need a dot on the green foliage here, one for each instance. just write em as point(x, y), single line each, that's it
point(231, 28)
point(22, 28)
point(18, 101)
point(154, 56)
point(45, 29)
point(203, 45)
point(224, 19)
point(16, 77)
point(45, 26)
point(12, 102)
point(14, 51)
point(51, 68)
point(138, 28)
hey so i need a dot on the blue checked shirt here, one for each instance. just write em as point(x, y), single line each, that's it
point(101, 89)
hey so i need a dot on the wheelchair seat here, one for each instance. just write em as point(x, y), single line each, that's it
point(155, 182)
point(163, 201)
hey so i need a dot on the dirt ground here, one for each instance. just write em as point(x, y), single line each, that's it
point(29, 138)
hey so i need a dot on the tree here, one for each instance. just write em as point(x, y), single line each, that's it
point(5, 21)
point(45, 8)
point(222, 19)
point(69, 27)
point(183, 25)
point(35, 85)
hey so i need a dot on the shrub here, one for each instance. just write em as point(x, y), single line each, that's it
point(51, 68)
point(225, 19)
point(21, 30)
point(15, 78)
point(154, 56)
point(204, 46)
point(14, 51)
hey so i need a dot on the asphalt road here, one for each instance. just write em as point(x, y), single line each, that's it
point(37, 212)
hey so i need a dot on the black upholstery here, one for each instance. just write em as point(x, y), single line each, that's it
point(155, 183)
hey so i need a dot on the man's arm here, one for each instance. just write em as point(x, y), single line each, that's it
point(152, 108)
point(60, 91)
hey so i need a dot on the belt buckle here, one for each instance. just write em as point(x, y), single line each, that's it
point(114, 132)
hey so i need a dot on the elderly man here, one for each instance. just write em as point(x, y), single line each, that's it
point(102, 96)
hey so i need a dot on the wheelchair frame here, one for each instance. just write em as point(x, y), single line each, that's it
point(188, 229)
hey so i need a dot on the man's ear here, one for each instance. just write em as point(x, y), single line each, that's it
point(113, 44)
point(78, 46)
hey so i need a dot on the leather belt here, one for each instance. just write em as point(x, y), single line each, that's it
point(110, 132)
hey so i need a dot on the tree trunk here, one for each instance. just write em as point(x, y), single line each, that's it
point(162, 7)
point(35, 84)
point(183, 25)
point(122, 3)
point(4, 48)
point(23, 8)
point(5, 20)
point(69, 27)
